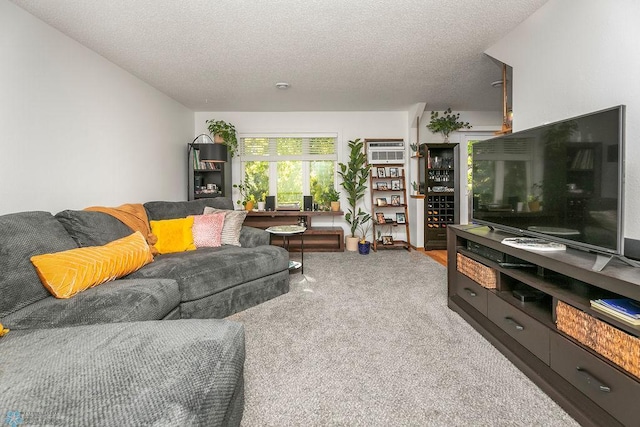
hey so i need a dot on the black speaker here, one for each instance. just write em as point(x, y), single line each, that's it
point(308, 203)
point(270, 203)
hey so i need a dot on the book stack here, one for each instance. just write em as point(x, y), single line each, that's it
point(623, 309)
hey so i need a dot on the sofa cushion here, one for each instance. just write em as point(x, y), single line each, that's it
point(123, 300)
point(23, 235)
point(233, 221)
point(208, 271)
point(169, 210)
point(207, 230)
point(174, 235)
point(174, 373)
point(89, 228)
point(68, 272)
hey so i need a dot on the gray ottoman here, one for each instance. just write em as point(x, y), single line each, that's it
point(179, 372)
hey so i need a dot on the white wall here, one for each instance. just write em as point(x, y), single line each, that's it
point(573, 57)
point(348, 126)
point(76, 130)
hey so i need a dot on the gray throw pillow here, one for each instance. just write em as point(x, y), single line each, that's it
point(233, 221)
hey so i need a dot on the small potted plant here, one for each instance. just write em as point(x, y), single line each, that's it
point(262, 201)
point(224, 132)
point(246, 198)
point(364, 246)
point(446, 123)
point(414, 187)
point(414, 149)
point(333, 196)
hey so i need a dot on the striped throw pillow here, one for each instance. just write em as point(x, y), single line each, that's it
point(233, 221)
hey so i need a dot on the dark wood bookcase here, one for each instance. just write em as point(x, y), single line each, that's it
point(200, 174)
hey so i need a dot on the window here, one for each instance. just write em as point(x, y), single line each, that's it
point(289, 166)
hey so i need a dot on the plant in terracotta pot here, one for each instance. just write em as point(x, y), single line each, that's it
point(333, 196)
point(224, 132)
point(354, 180)
point(446, 123)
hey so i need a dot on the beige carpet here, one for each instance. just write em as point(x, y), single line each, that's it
point(369, 341)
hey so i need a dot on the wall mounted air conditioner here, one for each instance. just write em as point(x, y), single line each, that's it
point(385, 152)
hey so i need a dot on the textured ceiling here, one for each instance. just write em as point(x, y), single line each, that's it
point(337, 55)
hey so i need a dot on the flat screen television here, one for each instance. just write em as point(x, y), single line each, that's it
point(562, 181)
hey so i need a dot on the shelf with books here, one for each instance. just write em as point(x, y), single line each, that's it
point(207, 179)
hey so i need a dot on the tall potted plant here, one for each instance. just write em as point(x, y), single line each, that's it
point(446, 123)
point(354, 180)
point(224, 132)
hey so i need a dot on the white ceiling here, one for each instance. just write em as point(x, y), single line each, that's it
point(337, 55)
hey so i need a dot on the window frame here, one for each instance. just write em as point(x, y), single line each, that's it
point(306, 159)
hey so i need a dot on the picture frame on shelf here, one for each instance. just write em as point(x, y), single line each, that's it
point(395, 184)
point(381, 173)
point(393, 172)
point(382, 186)
point(395, 200)
point(380, 218)
point(387, 240)
point(381, 201)
point(401, 218)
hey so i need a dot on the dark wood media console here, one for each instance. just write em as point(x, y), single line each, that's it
point(316, 238)
point(590, 386)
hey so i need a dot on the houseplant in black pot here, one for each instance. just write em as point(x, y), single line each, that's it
point(354, 181)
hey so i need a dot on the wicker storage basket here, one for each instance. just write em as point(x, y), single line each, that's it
point(480, 273)
point(616, 345)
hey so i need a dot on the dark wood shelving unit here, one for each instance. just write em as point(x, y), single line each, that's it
point(388, 228)
point(197, 178)
point(316, 238)
point(438, 181)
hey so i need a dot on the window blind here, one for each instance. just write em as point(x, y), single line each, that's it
point(290, 147)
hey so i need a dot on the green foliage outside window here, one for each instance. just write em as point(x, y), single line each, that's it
point(256, 176)
point(290, 157)
point(289, 181)
point(321, 182)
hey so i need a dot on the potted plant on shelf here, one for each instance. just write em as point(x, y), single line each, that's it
point(223, 132)
point(246, 198)
point(414, 187)
point(334, 198)
point(414, 149)
point(364, 246)
point(446, 123)
point(354, 180)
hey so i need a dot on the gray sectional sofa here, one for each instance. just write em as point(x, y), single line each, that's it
point(146, 349)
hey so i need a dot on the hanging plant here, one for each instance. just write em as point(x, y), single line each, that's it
point(226, 131)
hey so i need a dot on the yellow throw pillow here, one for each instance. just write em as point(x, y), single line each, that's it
point(174, 235)
point(66, 273)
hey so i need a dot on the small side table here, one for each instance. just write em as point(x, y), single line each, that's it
point(287, 231)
